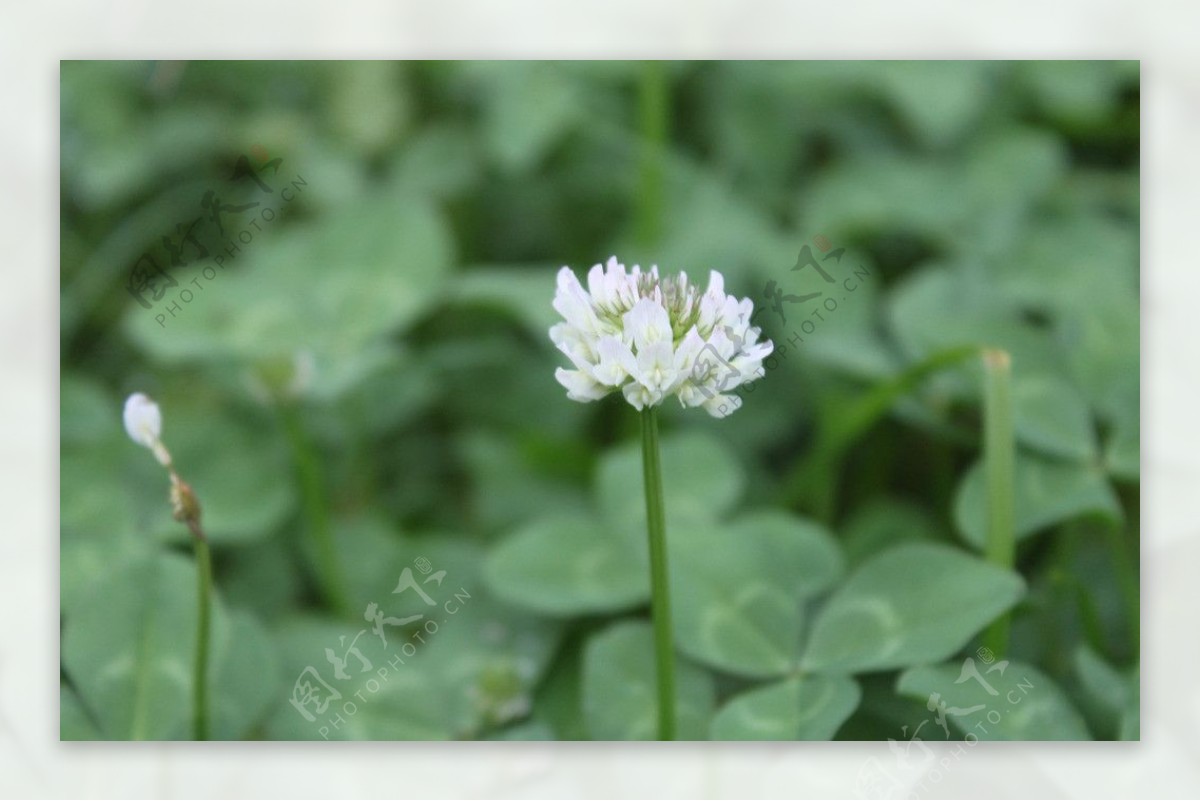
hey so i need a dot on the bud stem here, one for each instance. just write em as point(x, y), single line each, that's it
point(203, 624)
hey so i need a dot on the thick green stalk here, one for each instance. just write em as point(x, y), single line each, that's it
point(316, 512)
point(998, 449)
point(656, 527)
point(203, 623)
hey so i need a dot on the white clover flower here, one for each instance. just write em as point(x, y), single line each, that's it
point(143, 423)
point(652, 337)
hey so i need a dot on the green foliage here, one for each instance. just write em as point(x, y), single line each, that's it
point(619, 701)
point(1016, 703)
point(1046, 492)
point(568, 566)
point(910, 604)
point(809, 708)
point(128, 652)
point(739, 590)
point(373, 360)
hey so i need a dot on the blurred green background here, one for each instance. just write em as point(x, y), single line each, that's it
point(359, 377)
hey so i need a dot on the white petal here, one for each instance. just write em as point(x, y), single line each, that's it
point(712, 302)
point(598, 285)
point(722, 345)
point(621, 289)
point(579, 385)
point(639, 396)
point(689, 348)
point(656, 367)
point(572, 302)
point(722, 405)
point(756, 353)
point(691, 393)
point(579, 347)
point(616, 362)
point(716, 284)
point(647, 322)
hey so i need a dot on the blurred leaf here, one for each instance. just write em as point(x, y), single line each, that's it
point(100, 529)
point(369, 102)
point(244, 679)
point(1028, 704)
point(910, 604)
point(1123, 454)
point(1097, 321)
point(87, 413)
point(1103, 344)
point(530, 731)
point(1112, 695)
point(1051, 416)
point(559, 699)
point(882, 523)
point(528, 106)
point(1045, 492)
point(942, 308)
point(877, 192)
point(738, 590)
point(620, 699)
point(404, 378)
point(1076, 91)
point(130, 653)
point(938, 99)
point(523, 292)
point(507, 489)
point(74, 721)
point(1009, 168)
point(331, 288)
point(371, 553)
point(568, 566)
point(808, 708)
point(263, 577)
point(442, 161)
point(707, 225)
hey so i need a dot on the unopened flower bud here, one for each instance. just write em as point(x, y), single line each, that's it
point(143, 423)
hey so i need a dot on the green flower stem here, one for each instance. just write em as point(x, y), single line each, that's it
point(998, 449)
point(652, 114)
point(656, 527)
point(203, 624)
point(316, 512)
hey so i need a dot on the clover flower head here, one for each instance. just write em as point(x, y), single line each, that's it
point(143, 423)
point(652, 337)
